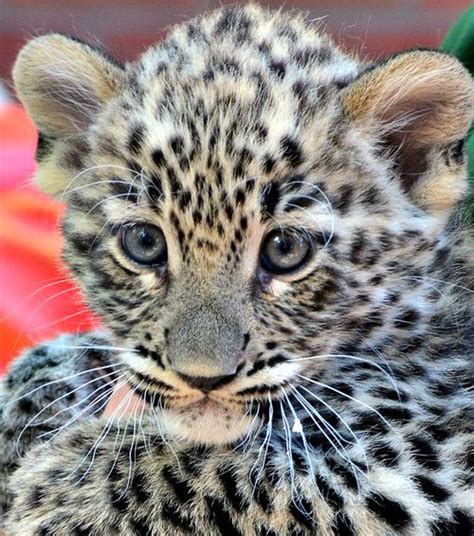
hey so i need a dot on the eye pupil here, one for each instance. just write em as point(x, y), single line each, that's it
point(144, 244)
point(145, 239)
point(285, 246)
point(285, 251)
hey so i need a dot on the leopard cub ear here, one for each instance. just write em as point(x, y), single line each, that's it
point(418, 106)
point(63, 83)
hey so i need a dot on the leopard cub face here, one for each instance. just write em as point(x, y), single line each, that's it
point(246, 203)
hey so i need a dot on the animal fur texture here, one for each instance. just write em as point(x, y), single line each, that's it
point(331, 398)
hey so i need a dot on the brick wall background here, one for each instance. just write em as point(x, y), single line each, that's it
point(126, 27)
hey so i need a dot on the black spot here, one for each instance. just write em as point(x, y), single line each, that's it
point(170, 512)
point(424, 452)
point(345, 472)
point(125, 189)
point(136, 138)
point(301, 511)
point(357, 247)
point(270, 197)
point(291, 151)
point(140, 487)
point(407, 319)
point(384, 453)
point(119, 499)
point(432, 490)
point(370, 422)
point(302, 201)
point(438, 433)
point(276, 360)
point(249, 185)
point(391, 512)
point(36, 497)
point(372, 196)
point(140, 527)
point(461, 524)
point(25, 405)
point(174, 184)
point(259, 365)
point(221, 517)
point(177, 144)
point(344, 387)
point(43, 147)
point(158, 157)
point(344, 198)
point(229, 212)
point(395, 413)
point(278, 68)
point(230, 484)
point(154, 188)
point(183, 491)
point(197, 217)
point(246, 341)
point(268, 164)
point(184, 199)
point(343, 525)
point(333, 498)
point(240, 196)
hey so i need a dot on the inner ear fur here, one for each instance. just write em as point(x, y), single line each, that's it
point(417, 104)
point(63, 82)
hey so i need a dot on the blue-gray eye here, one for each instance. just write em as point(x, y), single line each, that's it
point(285, 251)
point(144, 244)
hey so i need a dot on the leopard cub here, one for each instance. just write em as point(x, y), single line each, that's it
point(272, 233)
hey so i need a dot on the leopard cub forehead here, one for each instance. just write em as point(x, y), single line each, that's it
point(235, 95)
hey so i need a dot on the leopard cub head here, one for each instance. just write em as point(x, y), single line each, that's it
point(246, 204)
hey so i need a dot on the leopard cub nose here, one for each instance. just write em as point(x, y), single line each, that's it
point(206, 383)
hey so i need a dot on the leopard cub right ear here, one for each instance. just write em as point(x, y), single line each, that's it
point(419, 105)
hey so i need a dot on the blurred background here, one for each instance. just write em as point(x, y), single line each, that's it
point(37, 298)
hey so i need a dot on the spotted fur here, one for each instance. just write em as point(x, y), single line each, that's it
point(349, 413)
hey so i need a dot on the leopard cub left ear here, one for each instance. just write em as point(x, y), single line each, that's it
point(419, 106)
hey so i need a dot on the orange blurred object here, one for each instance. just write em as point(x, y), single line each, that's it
point(38, 300)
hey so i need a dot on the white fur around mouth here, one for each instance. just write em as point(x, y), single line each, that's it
point(206, 421)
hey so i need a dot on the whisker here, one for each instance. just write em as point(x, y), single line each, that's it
point(264, 446)
point(106, 395)
point(289, 451)
point(346, 425)
point(68, 408)
point(355, 358)
point(303, 436)
point(325, 386)
point(42, 386)
point(99, 441)
point(29, 423)
point(310, 410)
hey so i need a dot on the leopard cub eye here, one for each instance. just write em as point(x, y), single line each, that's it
point(144, 244)
point(285, 251)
